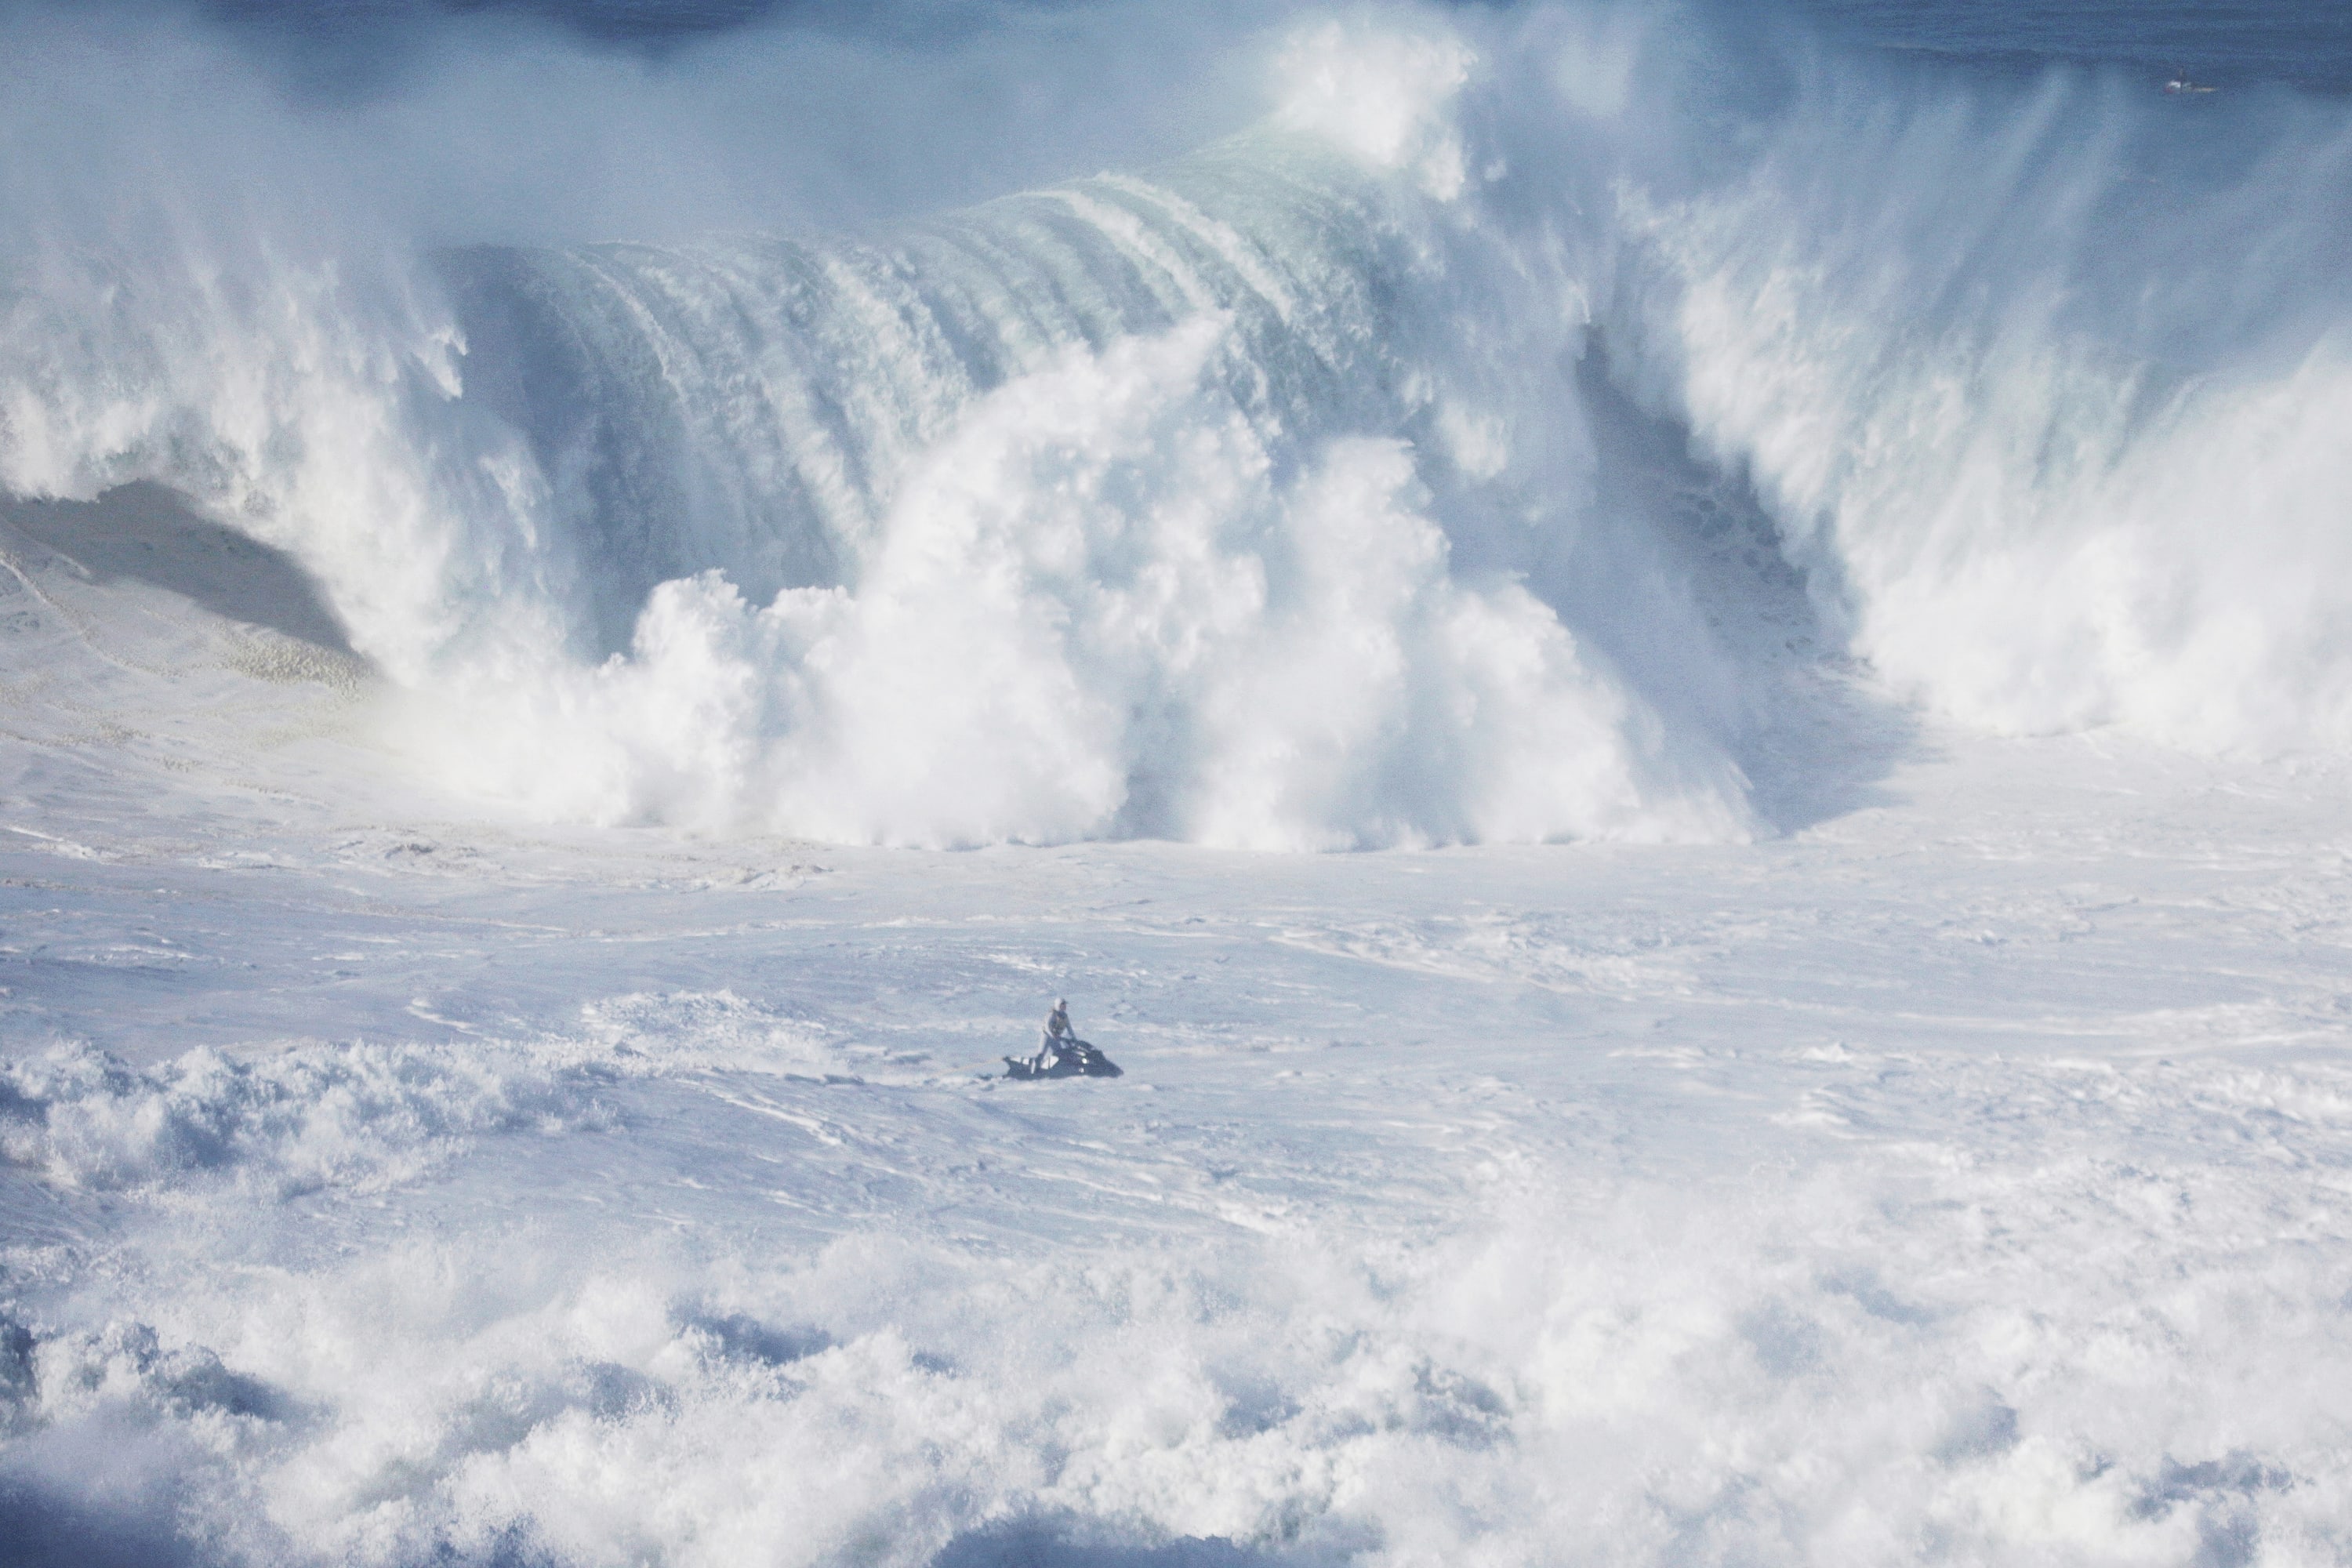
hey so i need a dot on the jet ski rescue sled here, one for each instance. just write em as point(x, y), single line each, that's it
point(1061, 1054)
point(1079, 1060)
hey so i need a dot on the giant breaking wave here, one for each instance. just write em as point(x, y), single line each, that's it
point(1274, 496)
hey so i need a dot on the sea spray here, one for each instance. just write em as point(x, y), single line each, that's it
point(1254, 497)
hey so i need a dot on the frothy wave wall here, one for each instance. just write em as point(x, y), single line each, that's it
point(1254, 497)
point(2050, 381)
point(1129, 507)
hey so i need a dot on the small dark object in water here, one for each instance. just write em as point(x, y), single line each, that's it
point(1076, 1059)
point(1060, 1053)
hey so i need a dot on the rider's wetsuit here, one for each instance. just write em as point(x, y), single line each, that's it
point(1059, 1038)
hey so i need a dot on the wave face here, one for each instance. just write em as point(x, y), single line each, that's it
point(1137, 506)
point(1280, 495)
point(2048, 380)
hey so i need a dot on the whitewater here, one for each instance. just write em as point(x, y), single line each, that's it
point(1676, 683)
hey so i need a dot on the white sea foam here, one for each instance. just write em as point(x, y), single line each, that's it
point(2031, 1346)
point(294, 1120)
point(306, 1116)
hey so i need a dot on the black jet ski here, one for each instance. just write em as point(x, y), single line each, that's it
point(1073, 1059)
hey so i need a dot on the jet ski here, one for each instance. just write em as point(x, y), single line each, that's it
point(1060, 1053)
point(1074, 1058)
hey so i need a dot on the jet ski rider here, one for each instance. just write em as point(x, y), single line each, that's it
point(1059, 1038)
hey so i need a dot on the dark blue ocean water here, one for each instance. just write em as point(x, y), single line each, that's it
point(2305, 44)
point(2302, 44)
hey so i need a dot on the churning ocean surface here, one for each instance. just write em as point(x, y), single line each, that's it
point(1676, 680)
